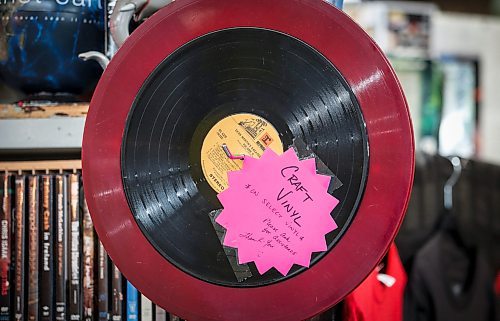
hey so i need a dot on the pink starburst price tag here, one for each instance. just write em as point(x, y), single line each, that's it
point(277, 211)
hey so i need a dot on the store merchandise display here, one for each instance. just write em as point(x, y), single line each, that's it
point(245, 78)
point(53, 267)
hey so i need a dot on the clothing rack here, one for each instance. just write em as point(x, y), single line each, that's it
point(474, 200)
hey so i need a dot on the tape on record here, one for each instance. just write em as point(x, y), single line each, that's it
point(204, 72)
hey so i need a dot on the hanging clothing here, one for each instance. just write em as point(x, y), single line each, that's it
point(380, 296)
point(449, 282)
point(497, 296)
point(497, 284)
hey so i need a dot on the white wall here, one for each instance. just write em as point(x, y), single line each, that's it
point(476, 36)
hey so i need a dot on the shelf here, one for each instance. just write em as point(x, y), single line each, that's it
point(32, 110)
point(41, 127)
point(51, 165)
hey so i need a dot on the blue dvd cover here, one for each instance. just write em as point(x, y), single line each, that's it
point(132, 303)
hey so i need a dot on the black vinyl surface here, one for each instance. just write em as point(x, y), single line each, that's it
point(241, 70)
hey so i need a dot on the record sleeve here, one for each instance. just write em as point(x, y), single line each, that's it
point(6, 198)
point(103, 283)
point(33, 247)
point(61, 247)
point(47, 298)
point(20, 238)
point(88, 265)
point(75, 302)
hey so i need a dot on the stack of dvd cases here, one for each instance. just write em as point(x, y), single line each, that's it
point(52, 266)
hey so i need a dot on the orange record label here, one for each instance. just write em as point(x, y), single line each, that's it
point(244, 134)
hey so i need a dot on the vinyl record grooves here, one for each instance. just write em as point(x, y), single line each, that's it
point(199, 69)
point(233, 71)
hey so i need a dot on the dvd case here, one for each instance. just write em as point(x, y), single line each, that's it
point(75, 250)
point(160, 313)
point(88, 265)
point(146, 309)
point(132, 303)
point(33, 245)
point(20, 250)
point(47, 252)
point(61, 247)
point(173, 317)
point(6, 192)
point(117, 294)
point(102, 283)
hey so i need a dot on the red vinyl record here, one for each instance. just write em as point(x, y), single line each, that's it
point(302, 68)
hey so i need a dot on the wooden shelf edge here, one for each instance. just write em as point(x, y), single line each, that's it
point(49, 165)
point(33, 111)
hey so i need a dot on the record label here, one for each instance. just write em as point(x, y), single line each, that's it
point(244, 134)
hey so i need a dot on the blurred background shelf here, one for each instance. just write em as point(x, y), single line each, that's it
point(30, 110)
point(52, 165)
point(41, 129)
